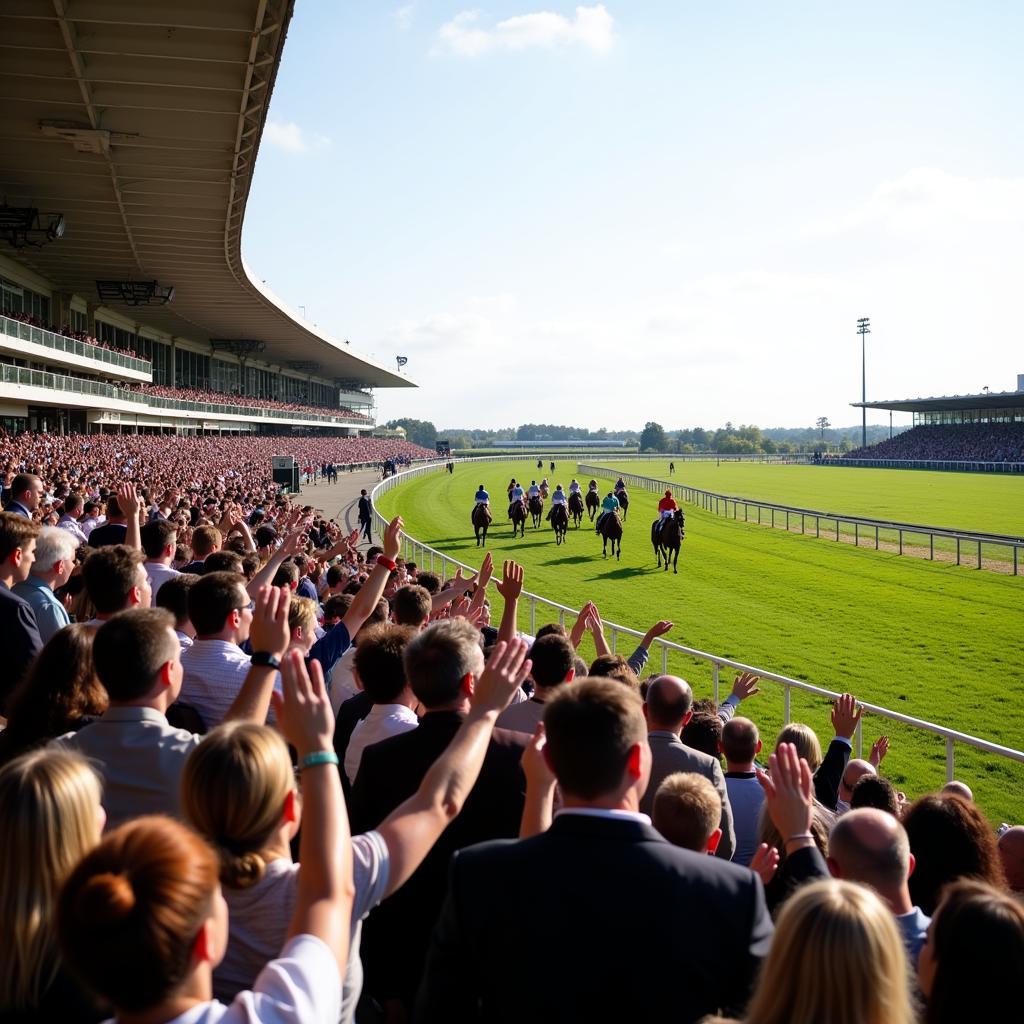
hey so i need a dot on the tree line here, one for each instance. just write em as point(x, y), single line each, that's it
point(726, 440)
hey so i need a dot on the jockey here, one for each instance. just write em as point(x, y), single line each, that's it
point(666, 508)
point(534, 490)
point(610, 504)
point(482, 497)
point(559, 497)
point(619, 485)
point(517, 491)
point(592, 486)
point(574, 487)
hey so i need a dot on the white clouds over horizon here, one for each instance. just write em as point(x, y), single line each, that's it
point(591, 28)
point(289, 136)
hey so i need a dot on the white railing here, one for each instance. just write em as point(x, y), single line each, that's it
point(426, 556)
point(781, 516)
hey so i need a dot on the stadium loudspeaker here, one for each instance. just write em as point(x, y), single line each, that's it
point(285, 472)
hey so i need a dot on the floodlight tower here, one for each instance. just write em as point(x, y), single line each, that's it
point(863, 327)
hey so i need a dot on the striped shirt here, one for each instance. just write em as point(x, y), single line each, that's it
point(214, 673)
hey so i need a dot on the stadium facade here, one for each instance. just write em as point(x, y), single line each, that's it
point(129, 137)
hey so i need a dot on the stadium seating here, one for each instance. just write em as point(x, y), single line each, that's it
point(975, 442)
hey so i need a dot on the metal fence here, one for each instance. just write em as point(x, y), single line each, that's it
point(861, 528)
point(79, 385)
point(59, 343)
point(437, 561)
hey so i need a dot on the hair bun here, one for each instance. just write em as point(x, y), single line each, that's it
point(106, 898)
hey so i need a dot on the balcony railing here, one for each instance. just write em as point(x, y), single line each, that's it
point(78, 385)
point(59, 343)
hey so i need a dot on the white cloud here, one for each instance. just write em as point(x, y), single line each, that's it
point(404, 17)
point(930, 200)
point(287, 135)
point(590, 28)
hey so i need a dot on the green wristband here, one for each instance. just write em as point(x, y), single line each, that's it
point(318, 757)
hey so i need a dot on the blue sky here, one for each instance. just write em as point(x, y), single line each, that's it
point(608, 213)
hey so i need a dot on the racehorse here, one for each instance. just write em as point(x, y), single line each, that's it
point(593, 504)
point(611, 530)
point(576, 508)
point(517, 513)
point(481, 520)
point(559, 522)
point(668, 541)
point(544, 489)
point(537, 509)
point(623, 501)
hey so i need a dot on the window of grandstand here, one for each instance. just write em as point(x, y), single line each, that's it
point(23, 300)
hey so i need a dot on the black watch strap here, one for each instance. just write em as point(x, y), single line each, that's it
point(266, 658)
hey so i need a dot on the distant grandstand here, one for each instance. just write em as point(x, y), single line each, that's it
point(982, 428)
point(125, 305)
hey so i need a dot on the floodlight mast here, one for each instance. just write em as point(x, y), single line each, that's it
point(863, 327)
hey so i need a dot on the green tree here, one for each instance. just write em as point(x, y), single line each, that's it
point(421, 432)
point(652, 438)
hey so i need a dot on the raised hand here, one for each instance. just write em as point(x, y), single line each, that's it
point(506, 669)
point(879, 749)
point(393, 538)
point(658, 629)
point(846, 715)
point(128, 500)
point(303, 708)
point(269, 630)
point(765, 862)
point(788, 792)
point(535, 765)
point(486, 572)
point(511, 585)
point(745, 685)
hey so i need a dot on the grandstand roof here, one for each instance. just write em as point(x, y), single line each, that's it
point(140, 123)
point(986, 400)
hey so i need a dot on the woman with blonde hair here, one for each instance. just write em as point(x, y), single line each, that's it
point(836, 956)
point(142, 919)
point(50, 817)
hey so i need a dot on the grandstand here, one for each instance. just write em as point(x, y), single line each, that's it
point(982, 428)
point(130, 133)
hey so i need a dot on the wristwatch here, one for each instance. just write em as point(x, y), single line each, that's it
point(266, 658)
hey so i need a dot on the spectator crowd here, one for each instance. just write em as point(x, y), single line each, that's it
point(252, 769)
point(968, 442)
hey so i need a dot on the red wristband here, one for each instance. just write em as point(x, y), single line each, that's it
point(387, 563)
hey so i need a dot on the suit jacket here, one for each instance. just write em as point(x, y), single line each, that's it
point(670, 754)
point(21, 641)
point(830, 773)
point(397, 934)
point(597, 919)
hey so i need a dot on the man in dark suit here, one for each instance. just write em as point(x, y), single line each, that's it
point(25, 494)
point(365, 514)
point(17, 620)
point(441, 664)
point(618, 923)
point(668, 708)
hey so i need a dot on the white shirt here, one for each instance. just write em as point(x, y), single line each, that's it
point(559, 498)
point(214, 673)
point(158, 574)
point(615, 813)
point(302, 986)
point(340, 681)
point(523, 716)
point(70, 524)
point(258, 919)
point(184, 640)
point(90, 523)
point(383, 721)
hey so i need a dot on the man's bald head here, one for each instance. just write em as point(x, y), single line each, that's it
point(1011, 852)
point(959, 789)
point(856, 769)
point(669, 701)
point(869, 845)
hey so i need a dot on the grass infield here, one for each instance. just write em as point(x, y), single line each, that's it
point(927, 639)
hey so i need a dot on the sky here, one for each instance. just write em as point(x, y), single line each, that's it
point(676, 211)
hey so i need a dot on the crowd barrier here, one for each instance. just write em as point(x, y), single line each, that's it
point(436, 561)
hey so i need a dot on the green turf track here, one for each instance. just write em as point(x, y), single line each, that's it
point(927, 639)
point(982, 502)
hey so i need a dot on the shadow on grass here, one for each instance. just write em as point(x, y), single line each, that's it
point(623, 573)
point(569, 560)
